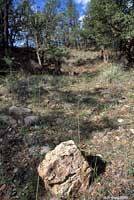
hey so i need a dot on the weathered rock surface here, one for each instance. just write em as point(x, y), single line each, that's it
point(65, 171)
point(31, 120)
point(19, 111)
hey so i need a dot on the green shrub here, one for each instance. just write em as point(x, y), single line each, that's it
point(54, 57)
point(8, 60)
point(131, 169)
point(80, 62)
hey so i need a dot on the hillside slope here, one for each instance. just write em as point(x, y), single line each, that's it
point(93, 105)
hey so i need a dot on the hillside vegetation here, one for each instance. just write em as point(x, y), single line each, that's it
point(93, 106)
point(67, 73)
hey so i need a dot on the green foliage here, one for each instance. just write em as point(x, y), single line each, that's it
point(80, 62)
point(55, 56)
point(8, 61)
point(71, 24)
point(111, 24)
point(131, 169)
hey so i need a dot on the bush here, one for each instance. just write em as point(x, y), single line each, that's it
point(7, 62)
point(54, 57)
point(80, 62)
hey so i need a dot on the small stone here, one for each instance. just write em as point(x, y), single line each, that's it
point(53, 198)
point(46, 102)
point(19, 111)
point(1, 140)
point(59, 121)
point(8, 120)
point(99, 155)
point(2, 187)
point(132, 130)
point(33, 150)
point(120, 120)
point(44, 149)
point(14, 193)
point(117, 138)
point(3, 91)
point(15, 170)
point(31, 120)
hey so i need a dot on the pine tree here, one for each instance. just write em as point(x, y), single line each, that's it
point(72, 23)
point(110, 23)
point(26, 12)
point(4, 18)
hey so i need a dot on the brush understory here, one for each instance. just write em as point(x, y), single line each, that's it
point(99, 101)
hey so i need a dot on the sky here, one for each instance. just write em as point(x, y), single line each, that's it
point(81, 5)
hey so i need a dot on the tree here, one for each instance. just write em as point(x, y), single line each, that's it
point(1, 22)
point(71, 24)
point(51, 13)
point(110, 23)
point(15, 24)
point(4, 17)
point(37, 31)
point(25, 13)
point(44, 29)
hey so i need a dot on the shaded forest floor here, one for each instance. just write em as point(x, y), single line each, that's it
point(93, 105)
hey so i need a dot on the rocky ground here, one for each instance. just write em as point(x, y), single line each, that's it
point(92, 105)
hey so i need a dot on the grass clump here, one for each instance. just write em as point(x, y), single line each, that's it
point(110, 74)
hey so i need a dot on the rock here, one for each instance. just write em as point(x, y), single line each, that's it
point(2, 187)
point(120, 120)
point(65, 171)
point(3, 91)
point(59, 121)
point(46, 102)
point(31, 120)
point(132, 131)
point(45, 149)
point(19, 111)
point(105, 92)
point(8, 120)
point(34, 150)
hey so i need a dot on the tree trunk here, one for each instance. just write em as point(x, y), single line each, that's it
point(37, 51)
point(27, 41)
point(38, 57)
point(127, 50)
point(5, 34)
